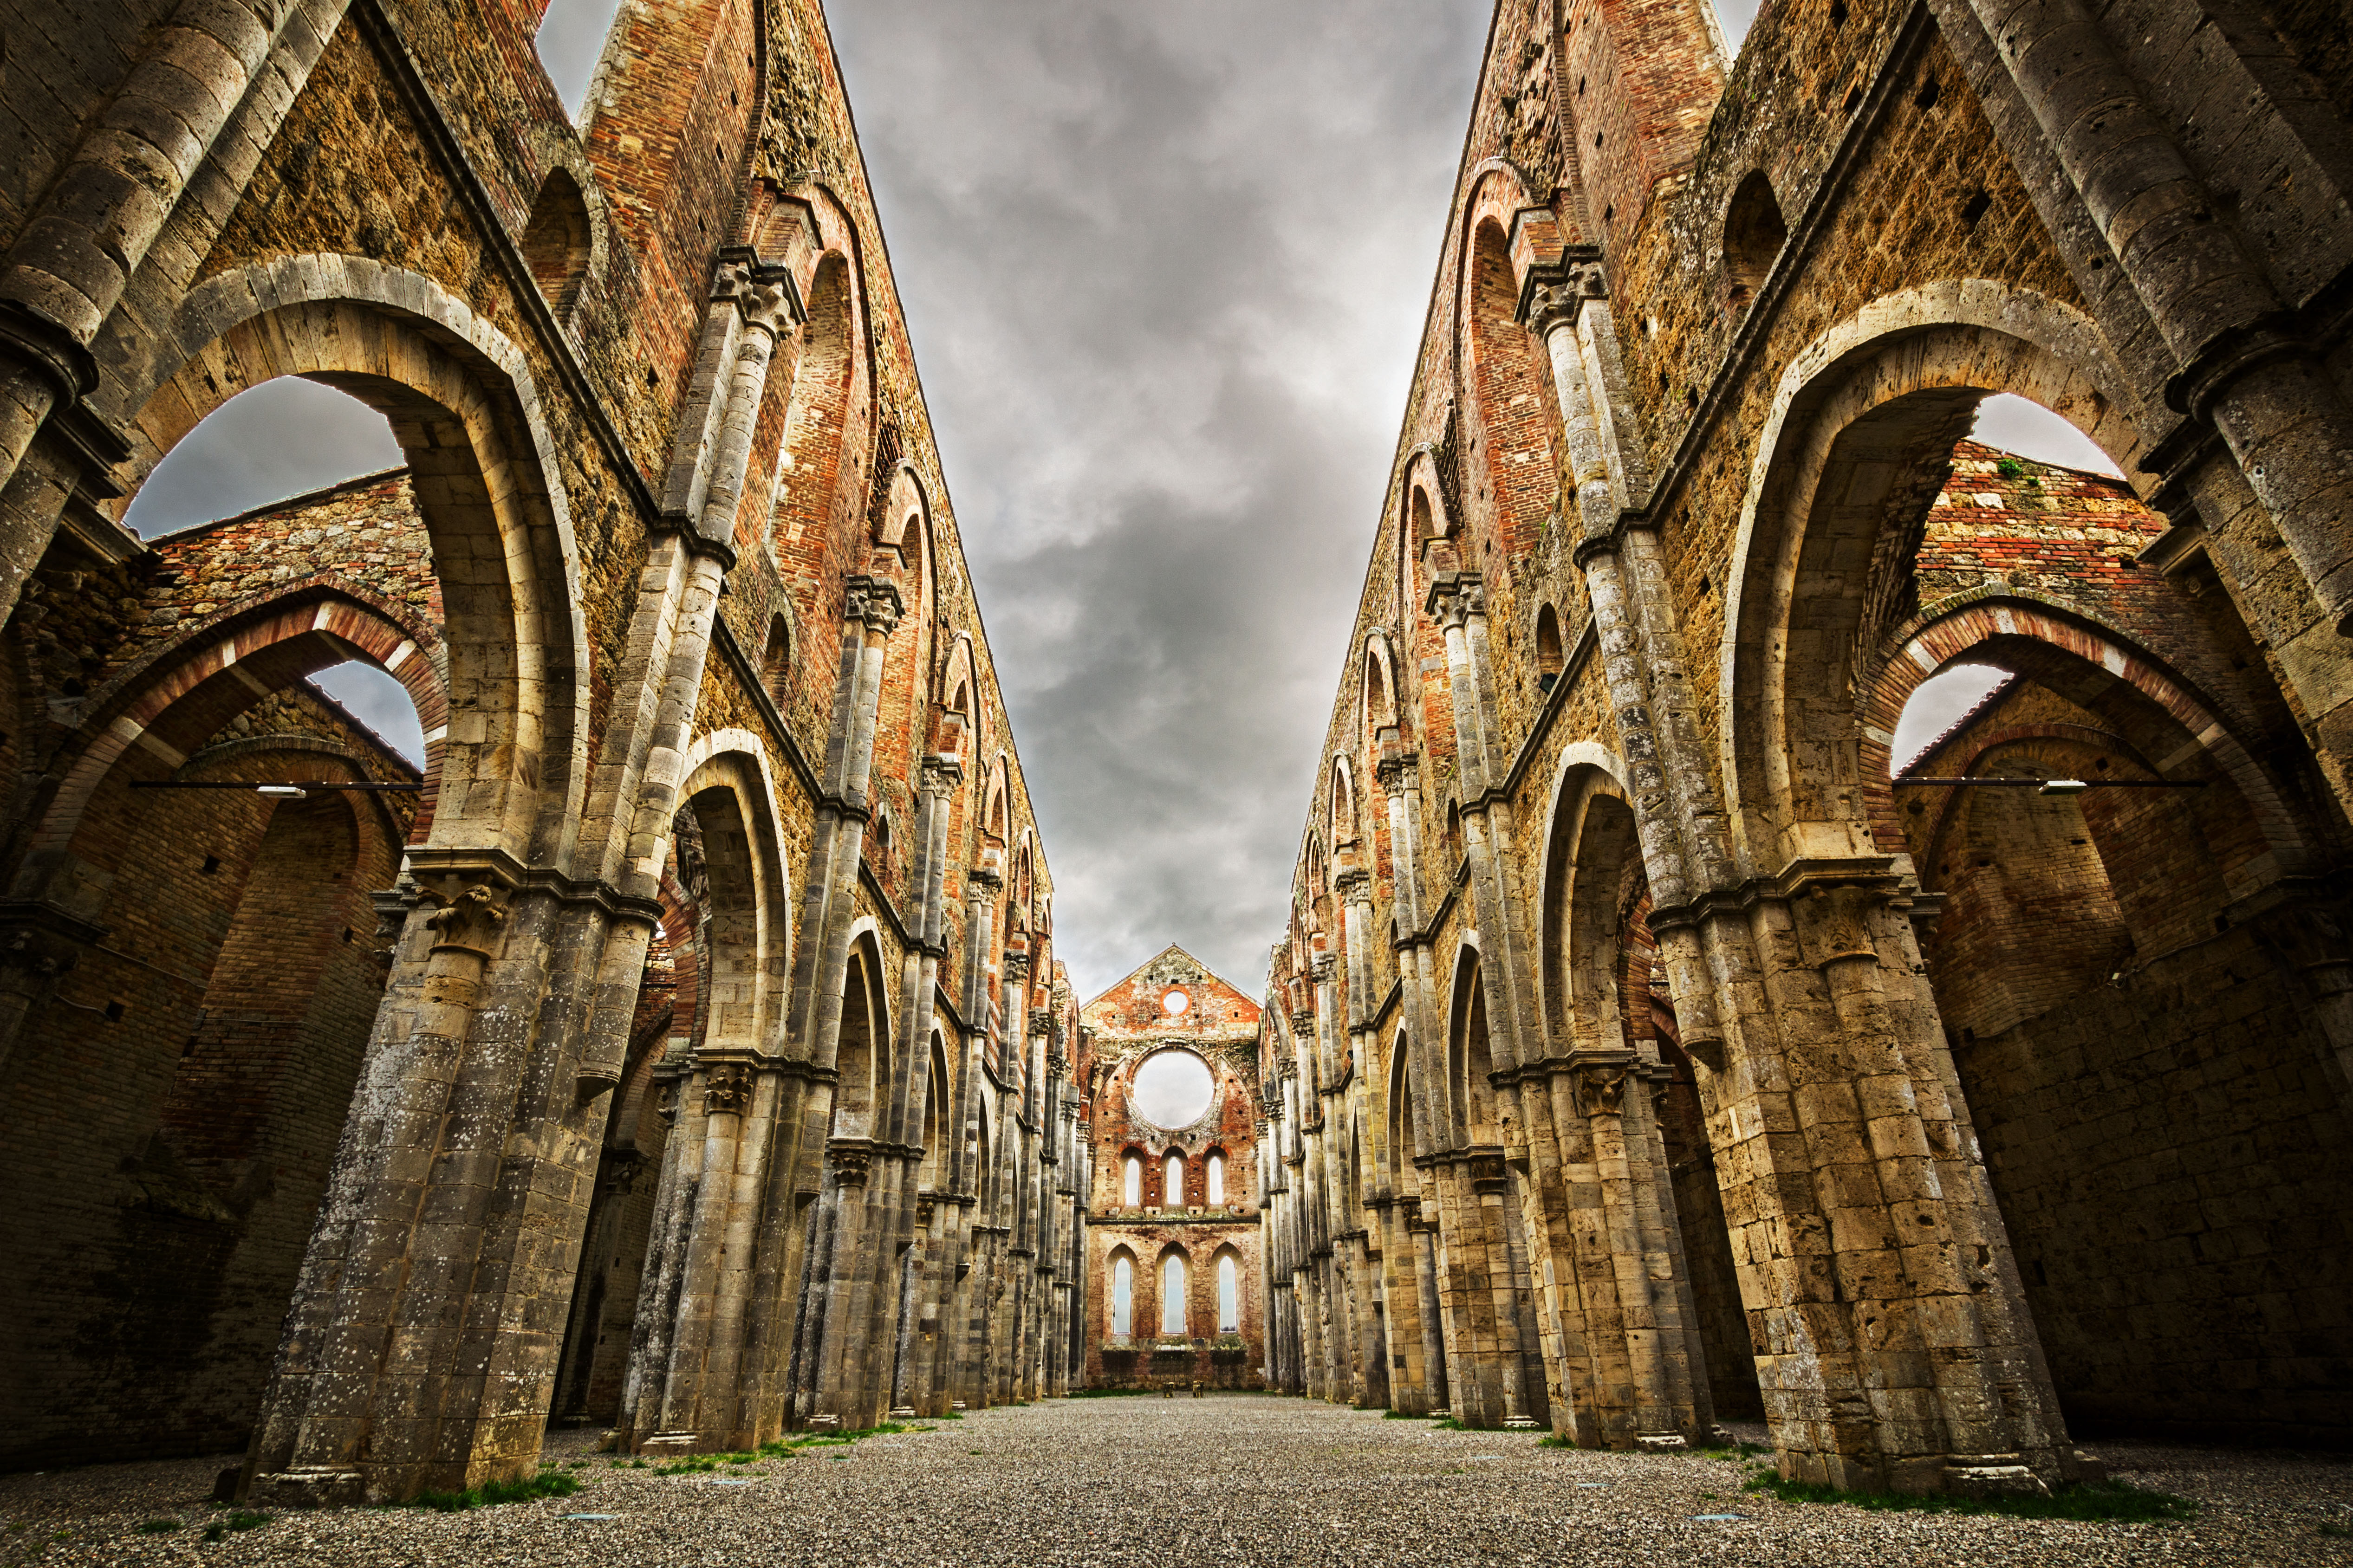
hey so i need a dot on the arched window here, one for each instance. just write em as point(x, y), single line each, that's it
point(1122, 1296)
point(1230, 1296)
point(1173, 1192)
point(1549, 653)
point(1753, 236)
point(1133, 1196)
point(1172, 1295)
point(1217, 1183)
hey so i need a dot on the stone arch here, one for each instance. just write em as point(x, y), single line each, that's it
point(1172, 1284)
point(2177, 725)
point(862, 1054)
point(1226, 1271)
point(1588, 798)
point(1898, 382)
point(1346, 821)
point(463, 405)
point(559, 240)
point(163, 707)
point(937, 1108)
point(1754, 233)
point(1469, 1098)
point(828, 422)
point(1402, 1144)
point(1510, 466)
point(1381, 708)
point(1116, 1322)
point(747, 952)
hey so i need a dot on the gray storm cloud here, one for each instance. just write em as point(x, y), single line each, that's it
point(1166, 270)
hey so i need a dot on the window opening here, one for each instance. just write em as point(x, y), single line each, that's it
point(1123, 1297)
point(1229, 1297)
point(1133, 1196)
point(1173, 1089)
point(1172, 1296)
point(1217, 1179)
point(1173, 1191)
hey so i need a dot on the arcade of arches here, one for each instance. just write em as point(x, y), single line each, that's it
point(679, 1044)
point(1653, 1042)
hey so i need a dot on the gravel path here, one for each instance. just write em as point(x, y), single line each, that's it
point(1228, 1480)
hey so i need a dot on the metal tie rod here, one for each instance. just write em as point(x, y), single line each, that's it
point(2067, 786)
point(298, 790)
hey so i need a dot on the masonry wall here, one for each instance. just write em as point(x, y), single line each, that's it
point(172, 1114)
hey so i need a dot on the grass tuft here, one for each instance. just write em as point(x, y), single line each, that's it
point(490, 1494)
point(235, 1520)
point(158, 1526)
point(2093, 1502)
point(1555, 1440)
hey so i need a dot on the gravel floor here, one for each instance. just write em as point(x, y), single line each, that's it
point(1226, 1481)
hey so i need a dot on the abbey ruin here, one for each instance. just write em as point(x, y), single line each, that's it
point(682, 1051)
point(1641, 1052)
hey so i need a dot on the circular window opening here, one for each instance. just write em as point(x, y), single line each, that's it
point(1173, 1089)
point(1173, 1002)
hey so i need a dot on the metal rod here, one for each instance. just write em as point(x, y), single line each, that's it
point(2085, 783)
point(274, 784)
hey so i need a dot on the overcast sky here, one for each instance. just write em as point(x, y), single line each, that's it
point(1166, 268)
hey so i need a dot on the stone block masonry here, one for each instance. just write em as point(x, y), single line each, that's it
point(688, 1054)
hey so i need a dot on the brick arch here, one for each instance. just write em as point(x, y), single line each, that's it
point(1512, 464)
point(2044, 742)
point(463, 405)
point(165, 707)
point(2024, 637)
point(1862, 414)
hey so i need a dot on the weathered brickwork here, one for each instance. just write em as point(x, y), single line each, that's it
point(1208, 1226)
point(723, 856)
point(1670, 1058)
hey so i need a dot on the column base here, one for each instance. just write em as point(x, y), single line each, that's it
point(903, 1413)
point(1991, 1476)
point(1660, 1442)
point(1521, 1424)
point(309, 1486)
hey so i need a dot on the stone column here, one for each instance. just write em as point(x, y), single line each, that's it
point(78, 250)
point(1898, 1348)
point(2244, 370)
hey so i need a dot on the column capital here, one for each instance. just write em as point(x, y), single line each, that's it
point(1302, 1020)
point(765, 293)
point(941, 774)
point(1398, 774)
point(469, 922)
point(1454, 597)
point(1322, 968)
point(1017, 964)
point(1355, 885)
point(875, 601)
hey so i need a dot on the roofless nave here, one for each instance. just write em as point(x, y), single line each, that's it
point(683, 1048)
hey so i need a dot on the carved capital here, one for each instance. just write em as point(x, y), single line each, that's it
point(1355, 885)
point(1322, 967)
point(876, 600)
point(1399, 774)
point(985, 880)
point(1041, 1020)
point(848, 1160)
point(1454, 597)
point(1302, 1020)
point(1835, 922)
point(666, 1102)
point(727, 1091)
point(469, 923)
point(618, 1178)
point(941, 775)
point(1600, 1091)
point(1016, 967)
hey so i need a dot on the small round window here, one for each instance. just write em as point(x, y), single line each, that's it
point(1173, 1089)
point(1175, 1003)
